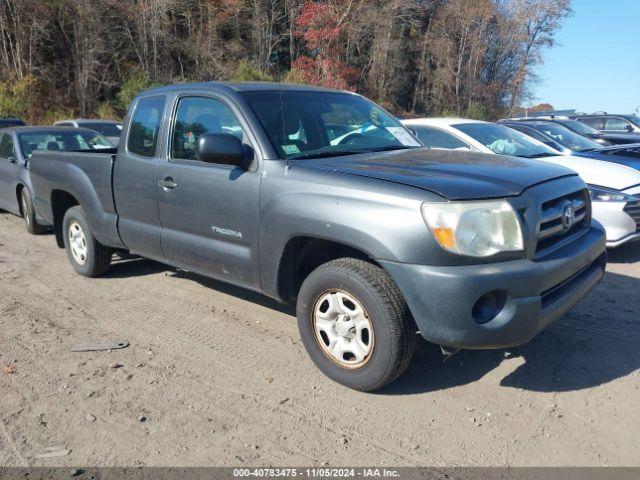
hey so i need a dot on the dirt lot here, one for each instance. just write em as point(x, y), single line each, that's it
point(221, 378)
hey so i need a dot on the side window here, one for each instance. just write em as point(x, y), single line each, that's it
point(593, 122)
point(6, 147)
point(196, 116)
point(434, 138)
point(616, 124)
point(145, 126)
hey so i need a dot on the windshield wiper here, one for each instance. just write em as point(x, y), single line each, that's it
point(305, 156)
point(339, 153)
point(390, 148)
point(540, 155)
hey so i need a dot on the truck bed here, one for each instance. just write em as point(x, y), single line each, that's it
point(87, 177)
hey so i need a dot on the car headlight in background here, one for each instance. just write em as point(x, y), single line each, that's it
point(476, 229)
point(600, 194)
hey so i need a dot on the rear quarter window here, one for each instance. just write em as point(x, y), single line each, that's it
point(144, 127)
point(593, 122)
point(616, 124)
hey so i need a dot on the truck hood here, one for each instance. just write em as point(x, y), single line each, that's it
point(601, 169)
point(453, 174)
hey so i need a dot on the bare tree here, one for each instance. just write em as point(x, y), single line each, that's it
point(539, 21)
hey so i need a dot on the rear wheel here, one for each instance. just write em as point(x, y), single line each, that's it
point(87, 256)
point(29, 214)
point(355, 324)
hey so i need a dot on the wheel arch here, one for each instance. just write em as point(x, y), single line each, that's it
point(61, 201)
point(303, 254)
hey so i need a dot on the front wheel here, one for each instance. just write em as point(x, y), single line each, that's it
point(88, 257)
point(355, 324)
point(29, 214)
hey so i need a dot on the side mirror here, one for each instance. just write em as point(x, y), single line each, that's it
point(628, 128)
point(223, 149)
point(12, 160)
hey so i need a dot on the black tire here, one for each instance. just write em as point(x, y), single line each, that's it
point(394, 330)
point(97, 257)
point(29, 214)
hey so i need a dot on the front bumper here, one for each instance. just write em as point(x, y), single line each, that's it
point(619, 225)
point(533, 294)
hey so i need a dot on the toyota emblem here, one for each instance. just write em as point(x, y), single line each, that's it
point(568, 217)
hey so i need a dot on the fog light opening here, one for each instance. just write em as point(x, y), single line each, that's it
point(489, 306)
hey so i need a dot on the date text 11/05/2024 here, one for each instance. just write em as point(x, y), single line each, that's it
point(316, 472)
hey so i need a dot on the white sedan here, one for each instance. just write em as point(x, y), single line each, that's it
point(613, 187)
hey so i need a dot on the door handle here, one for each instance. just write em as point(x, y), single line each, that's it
point(167, 184)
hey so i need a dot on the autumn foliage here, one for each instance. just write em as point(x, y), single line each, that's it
point(320, 27)
point(474, 58)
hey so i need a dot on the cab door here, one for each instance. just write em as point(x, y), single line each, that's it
point(134, 178)
point(209, 212)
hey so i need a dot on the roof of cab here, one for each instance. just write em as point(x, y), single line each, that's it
point(242, 87)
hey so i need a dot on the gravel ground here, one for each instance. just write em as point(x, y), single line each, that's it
point(215, 375)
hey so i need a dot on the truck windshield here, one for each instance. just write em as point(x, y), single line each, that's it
point(505, 141)
point(307, 124)
point(567, 138)
point(62, 141)
point(106, 129)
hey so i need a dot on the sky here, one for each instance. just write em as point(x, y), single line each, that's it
point(595, 64)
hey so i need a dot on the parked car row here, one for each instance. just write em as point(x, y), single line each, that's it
point(612, 173)
point(581, 128)
point(322, 199)
point(18, 142)
point(17, 145)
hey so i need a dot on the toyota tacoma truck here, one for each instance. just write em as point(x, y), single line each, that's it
point(322, 199)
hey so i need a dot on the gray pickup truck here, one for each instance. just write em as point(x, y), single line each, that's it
point(322, 199)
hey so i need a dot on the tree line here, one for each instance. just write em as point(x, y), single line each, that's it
point(476, 58)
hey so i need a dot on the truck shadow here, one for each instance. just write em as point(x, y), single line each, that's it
point(628, 253)
point(238, 292)
point(135, 266)
point(595, 343)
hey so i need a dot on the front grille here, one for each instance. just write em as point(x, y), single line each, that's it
point(552, 229)
point(633, 209)
point(558, 291)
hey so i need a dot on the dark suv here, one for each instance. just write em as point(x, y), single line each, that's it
point(611, 123)
point(11, 122)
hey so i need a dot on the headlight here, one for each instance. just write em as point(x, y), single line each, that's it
point(599, 194)
point(476, 229)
